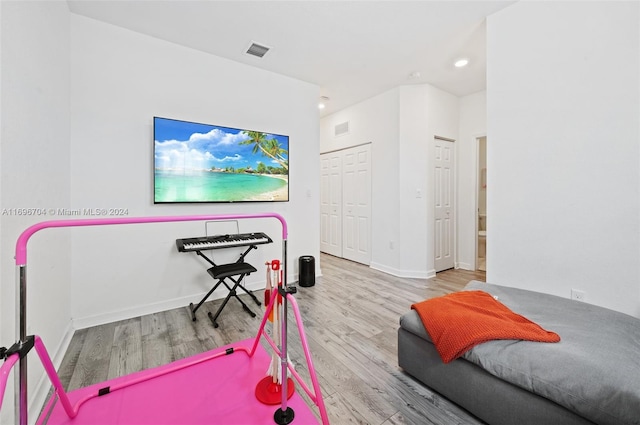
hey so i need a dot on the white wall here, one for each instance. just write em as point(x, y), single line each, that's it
point(120, 80)
point(413, 145)
point(400, 124)
point(442, 120)
point(34, 166)
point(563, 108)
point(473, 124)
point(374, 121)
point(425, 112)
point(78, 98)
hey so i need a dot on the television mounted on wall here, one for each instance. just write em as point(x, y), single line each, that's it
point(206, 163)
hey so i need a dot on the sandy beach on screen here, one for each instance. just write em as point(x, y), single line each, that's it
point(275, 195)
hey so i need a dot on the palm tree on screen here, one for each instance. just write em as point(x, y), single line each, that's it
point(277, 152)
point(268, 147)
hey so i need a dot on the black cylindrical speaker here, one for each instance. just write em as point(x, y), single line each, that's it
point(306, 271)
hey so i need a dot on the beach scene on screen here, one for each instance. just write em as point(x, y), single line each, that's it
point(196, 162)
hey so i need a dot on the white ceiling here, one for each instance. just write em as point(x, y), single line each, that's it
point(352, 50)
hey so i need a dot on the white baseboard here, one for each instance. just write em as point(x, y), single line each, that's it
point(385, 269)
point(464, 266)
point(414, 274)
point(141, 310)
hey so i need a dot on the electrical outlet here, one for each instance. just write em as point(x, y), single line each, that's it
point(577, 295)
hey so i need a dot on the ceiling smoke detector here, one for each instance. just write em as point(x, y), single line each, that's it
point(258, 50)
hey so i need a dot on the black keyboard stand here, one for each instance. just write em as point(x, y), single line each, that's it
point(221, 273)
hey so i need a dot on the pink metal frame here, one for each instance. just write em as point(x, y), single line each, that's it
point(72, 411)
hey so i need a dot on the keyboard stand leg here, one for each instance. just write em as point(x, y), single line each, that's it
point(232, 293)
point(250, 294)
point(212, 317)
point(246, 307)
point(193, 310)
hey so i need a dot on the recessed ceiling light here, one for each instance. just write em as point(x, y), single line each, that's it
point(461, 63)
point(323, 102)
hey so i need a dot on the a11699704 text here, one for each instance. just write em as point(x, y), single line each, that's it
point(66, 212)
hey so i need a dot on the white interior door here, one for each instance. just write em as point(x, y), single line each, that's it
point(444, 163)
point(356, 197)
point(331, 203)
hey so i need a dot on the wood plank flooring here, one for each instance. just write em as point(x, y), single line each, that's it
point(350, 316)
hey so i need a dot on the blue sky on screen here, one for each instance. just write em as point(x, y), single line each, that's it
point(191, 146)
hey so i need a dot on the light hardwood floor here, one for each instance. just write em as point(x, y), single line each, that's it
point(350, 316)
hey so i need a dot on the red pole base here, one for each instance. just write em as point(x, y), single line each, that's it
point(268, 392)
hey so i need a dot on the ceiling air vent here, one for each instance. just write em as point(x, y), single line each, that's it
point(340, 129)
point(258, 50)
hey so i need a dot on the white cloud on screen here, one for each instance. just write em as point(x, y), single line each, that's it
point(196, 152)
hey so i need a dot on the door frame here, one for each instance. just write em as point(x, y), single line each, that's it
point(476, 191)
point(454, 201)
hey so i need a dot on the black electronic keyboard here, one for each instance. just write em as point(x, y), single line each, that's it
point(221, 241)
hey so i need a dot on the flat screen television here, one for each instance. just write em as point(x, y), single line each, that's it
point(203, 163)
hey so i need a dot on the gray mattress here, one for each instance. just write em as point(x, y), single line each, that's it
point(591, 375)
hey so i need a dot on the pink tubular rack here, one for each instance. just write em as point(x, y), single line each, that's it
point(283, 415)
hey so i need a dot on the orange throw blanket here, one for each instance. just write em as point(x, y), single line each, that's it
point(459, 321)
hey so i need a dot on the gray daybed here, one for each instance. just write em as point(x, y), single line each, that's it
point(591, 376)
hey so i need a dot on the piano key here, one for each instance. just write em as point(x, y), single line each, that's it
point(221, 241)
